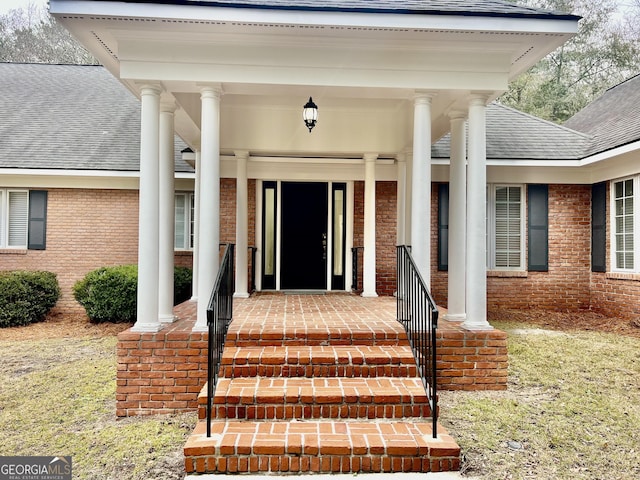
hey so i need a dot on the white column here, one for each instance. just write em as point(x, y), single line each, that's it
point(401, 188)
point(476, 217)
point(242, 225)
point(369, 258)
point(196, 228)
point(148, 229)
point(408, 196)
point(421, 188)
point(456, 302)
point(166, 213)
point(209, 244)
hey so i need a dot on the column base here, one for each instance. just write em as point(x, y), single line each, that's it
point(194, 298)
point(369, 294)
point(166, 318)
point(455, 317)
point(476, 326)
point(240, 295)
point(147, 327)
point(200, 328)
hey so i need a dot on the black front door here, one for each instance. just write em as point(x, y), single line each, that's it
point(304, 236)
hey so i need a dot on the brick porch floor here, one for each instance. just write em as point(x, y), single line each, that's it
point(310, 383)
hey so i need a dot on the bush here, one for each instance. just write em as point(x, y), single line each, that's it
point(182, 281)
point(109, 294)
point(26, 297)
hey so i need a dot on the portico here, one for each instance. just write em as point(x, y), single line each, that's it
point(388, 82)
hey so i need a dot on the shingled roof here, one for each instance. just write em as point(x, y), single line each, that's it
point(485, 8)
point(69, 117)
point(613, 119)
point(512, 134)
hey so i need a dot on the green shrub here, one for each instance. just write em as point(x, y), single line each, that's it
point(182, 281)
point(109, 294)
point(26, 297)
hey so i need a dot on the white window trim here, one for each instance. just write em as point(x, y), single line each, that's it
point(188, 221)
point(491, 226)
point(4, 219)
point(636, 227)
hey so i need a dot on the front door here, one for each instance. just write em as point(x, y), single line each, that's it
point(304, 236)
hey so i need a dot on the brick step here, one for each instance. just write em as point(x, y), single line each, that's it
point(319, 361)
point(262, 398)
point(333, 332)
point(320, 447)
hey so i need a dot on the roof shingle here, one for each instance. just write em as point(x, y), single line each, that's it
point(69, 117)
point(490, 8)
point(613, 119)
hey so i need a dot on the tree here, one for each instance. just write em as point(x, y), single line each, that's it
point(602, 54)
point(31, 35)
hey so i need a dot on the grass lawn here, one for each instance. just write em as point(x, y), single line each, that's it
point(57, 397)
point(572, 409)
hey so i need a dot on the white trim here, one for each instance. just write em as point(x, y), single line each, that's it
point(636, 227)
point(318, 19)
point(491, 227)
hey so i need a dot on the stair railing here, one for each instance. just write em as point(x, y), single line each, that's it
point(219, 316)
point(418, 312)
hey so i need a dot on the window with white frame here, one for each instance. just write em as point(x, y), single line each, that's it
point(14, 218)
point(505, 227)
point(623, 230)
point(184, 221)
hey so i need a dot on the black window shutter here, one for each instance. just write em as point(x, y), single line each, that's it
point(599, 227)
point(37, 220)
point(538, 216)
point(443, 227)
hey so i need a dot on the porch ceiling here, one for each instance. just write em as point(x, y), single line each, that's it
point(362, 69)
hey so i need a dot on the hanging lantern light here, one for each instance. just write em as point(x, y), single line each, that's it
point(310, 114)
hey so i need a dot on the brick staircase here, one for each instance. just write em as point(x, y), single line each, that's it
point(318, 395)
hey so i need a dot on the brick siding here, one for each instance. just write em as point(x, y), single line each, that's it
point(91, 228)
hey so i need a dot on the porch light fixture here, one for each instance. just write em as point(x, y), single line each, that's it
point(310, 114)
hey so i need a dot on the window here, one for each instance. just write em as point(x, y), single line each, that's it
point(14, 218)
point(505, 227)
point(184, 221)
point(624, 224)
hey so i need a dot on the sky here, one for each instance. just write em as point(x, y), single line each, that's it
point(6, 5)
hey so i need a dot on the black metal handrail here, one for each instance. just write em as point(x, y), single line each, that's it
point(418, 312)
point(354, 267)
point(219, 316)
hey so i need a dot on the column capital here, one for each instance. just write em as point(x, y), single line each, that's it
point(241, 154)
point(423, 97)
point(168, 106)
point(150, 88)
point(210, 90)
point(370, 157)
point(478, 99)
point(457, 115)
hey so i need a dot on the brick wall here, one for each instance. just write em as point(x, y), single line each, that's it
point(86, 229)
point(468, 360)
point(566, 285)
point(163, 372)
point(386, 223)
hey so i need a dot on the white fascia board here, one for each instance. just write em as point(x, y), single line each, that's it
point(514, 162)
point(614, 152)
point(90, 179)
point(302, 17)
